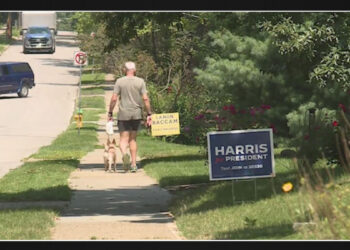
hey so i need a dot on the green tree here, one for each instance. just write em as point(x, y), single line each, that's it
point(323, 38)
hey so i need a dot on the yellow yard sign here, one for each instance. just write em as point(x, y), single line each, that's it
point(165, 124)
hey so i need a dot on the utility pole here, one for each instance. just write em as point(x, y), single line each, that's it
point(9, 26)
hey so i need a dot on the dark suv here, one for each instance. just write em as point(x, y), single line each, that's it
point(16, 77)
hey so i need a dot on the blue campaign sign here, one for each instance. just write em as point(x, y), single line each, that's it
point(241, 154)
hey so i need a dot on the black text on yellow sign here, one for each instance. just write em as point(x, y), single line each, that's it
point(165, 124)
point(79, 120)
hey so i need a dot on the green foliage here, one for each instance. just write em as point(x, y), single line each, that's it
point(84, 22)
point(235, 71)
point(322, 38)
point(123, 27)
point(65, 21)
point(313, 133)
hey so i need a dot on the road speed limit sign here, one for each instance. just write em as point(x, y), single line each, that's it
point(80, 58)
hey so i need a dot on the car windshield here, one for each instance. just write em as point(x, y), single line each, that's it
point(38, 30)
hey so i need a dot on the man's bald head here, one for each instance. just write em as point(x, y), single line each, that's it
point(130, 66)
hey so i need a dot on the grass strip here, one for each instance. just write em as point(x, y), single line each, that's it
point(92, 91)
point(24, 224)
point(38, 181)
point(3, 42)
point(69, 145)
point(92, 115)
point(97, 102)
point(93, 79)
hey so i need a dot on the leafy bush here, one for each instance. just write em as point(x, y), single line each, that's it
point(313, 131)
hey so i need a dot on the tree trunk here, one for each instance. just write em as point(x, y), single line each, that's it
point(154, 47)
point(340, 153)
point(9, 26)
point(345, 146)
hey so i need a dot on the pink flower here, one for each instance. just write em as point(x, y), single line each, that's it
point(306, 137)
point(252, 111)
point(266, 107)
point(335, 123)
point(342, 107)
point(225, 107)
point(232, 109)
point(216, 118)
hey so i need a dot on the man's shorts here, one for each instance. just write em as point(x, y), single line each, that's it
point(130, 125)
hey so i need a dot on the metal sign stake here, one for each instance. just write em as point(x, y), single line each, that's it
point(233, 192)
point(80, 58)
point(79, 104)
point(255, 195)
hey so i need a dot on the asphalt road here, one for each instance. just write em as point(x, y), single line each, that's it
point(26, 124)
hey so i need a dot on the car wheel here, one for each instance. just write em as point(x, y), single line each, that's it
point(25, 51)
point(24, 91)
point(52, 50)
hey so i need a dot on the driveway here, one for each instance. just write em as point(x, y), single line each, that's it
point(26, 124)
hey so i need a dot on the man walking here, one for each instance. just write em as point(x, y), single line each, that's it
point(132, 93)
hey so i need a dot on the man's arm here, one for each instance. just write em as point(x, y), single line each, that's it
point(148, 109)
point(147, 103)
point(112, 104)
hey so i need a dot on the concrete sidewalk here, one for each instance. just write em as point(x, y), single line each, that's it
point(114, 206)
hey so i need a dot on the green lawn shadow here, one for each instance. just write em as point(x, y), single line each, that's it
point(57, 193)
point(253, 233)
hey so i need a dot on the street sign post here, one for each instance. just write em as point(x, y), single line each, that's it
point(80, 59)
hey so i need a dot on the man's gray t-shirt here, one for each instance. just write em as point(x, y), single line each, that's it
point(130, 89)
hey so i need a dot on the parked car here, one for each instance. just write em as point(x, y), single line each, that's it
point(39, 39)
point(16, 77)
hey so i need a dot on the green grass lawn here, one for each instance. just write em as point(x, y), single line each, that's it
point(93, 79)
point(92, 115)
point(92, 91)
point(97, 102)
point(228, 209)
point(26, 224)
point(3, 42)
point(38, 181)
point(70, 145)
